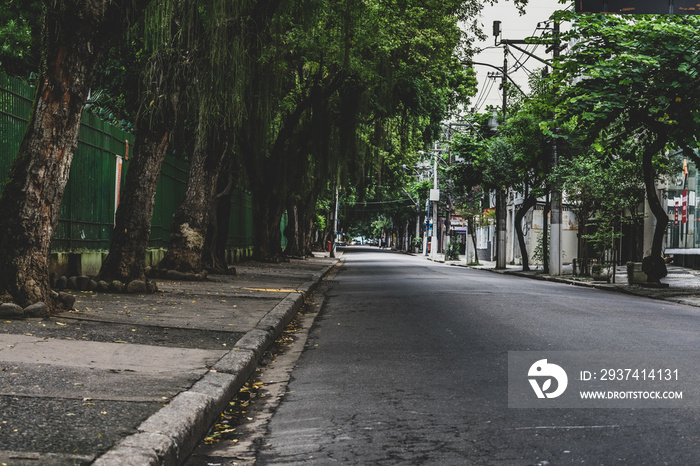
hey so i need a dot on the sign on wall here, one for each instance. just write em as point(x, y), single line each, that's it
point(639, 7)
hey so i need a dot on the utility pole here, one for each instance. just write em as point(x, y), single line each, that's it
point(501, 192)
point(335, 224)
point(555, 205)
point(417, 220)
point(555, 259)
point(427, 226)
point(435, 197)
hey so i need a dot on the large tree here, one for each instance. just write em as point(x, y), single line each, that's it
point(189, 82)
point(632, 86)
point(216, 89)
point(77, 35)
point(162, 76)
point(529, 154)
point(378, 77)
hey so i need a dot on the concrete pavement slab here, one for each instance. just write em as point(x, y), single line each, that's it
point(109, 356)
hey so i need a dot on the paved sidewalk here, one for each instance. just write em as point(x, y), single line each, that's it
point(682, 285)
point(138, 379)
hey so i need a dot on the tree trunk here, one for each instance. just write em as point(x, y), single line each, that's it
point(501, 229)
point(583, 215)
point(308, 235)
point(528, 203)
point(191, 219)
point(155, 123)
point(214, 255)
point(77, 36)
point(267, 215)
point(291, 231)
point(472, 229)
point(545, 235)
point(126, 260)
point(654, 265)
point(302, 233)
point(306, 213)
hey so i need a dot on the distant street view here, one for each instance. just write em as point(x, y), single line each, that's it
point(158, 157)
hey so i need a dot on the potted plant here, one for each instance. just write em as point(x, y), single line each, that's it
point(601, 272)
point(452, 250)
point(417, 244)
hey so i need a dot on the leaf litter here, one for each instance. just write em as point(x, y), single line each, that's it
point(236, 414)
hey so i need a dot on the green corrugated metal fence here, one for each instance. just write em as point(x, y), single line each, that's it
point(87, 211)
point(15, 107)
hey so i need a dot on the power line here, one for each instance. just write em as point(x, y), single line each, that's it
point(485, 95)
point(392, 201)
point(518, 59)
point(519, 65)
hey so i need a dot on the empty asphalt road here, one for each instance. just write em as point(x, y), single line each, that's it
point(407, 363)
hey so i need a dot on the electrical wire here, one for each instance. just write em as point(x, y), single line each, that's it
point(484, 94)
point(391, 201)
point(520, 65)
point(487, 95)
point(536, 45)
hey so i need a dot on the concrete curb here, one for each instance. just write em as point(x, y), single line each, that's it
point(170, 435)
point(596, 285)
